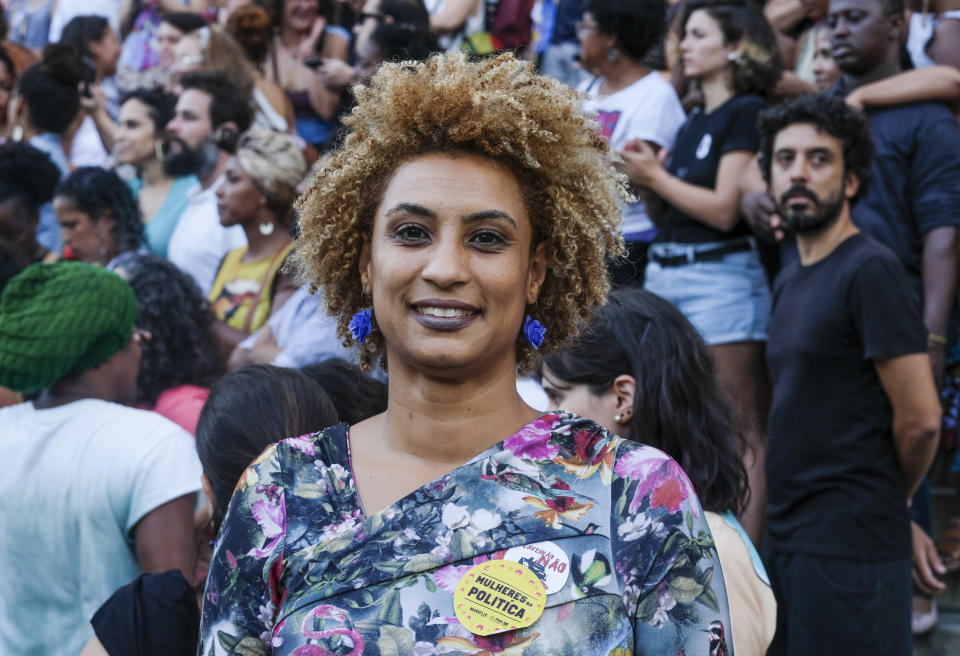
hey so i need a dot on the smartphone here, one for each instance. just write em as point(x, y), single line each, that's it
point(90, 74)
point(313, 61)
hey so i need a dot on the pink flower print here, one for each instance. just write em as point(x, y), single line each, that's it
point(302, 443)
point(272, 518)
point(448, 577)
point(328, 612)
point(658, 475)
point(533, 440)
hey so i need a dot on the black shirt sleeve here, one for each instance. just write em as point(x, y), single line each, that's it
point(936, 171)
point(154, 614)
point(885, 311)
point(742, 131)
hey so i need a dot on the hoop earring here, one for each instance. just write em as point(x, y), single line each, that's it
point(266, 229)
point(613, 55)
point(16, 134)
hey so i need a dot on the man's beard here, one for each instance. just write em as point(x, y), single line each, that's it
point(823, 214)
point(187, 161)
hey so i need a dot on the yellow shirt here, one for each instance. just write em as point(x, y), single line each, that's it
point(243, 291)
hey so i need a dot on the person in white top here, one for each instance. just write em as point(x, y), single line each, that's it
point(630, 100)
point(94, 493)
point(210, 116)
point(453, 20)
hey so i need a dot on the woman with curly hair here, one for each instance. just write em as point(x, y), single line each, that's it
point(704, 259)
point(179, 360)
point(99, 217)
point(641, 370)
point(462, 227)
point(27, 182)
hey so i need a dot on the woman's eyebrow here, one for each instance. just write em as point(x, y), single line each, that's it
point(486, 215)
point(411, 208)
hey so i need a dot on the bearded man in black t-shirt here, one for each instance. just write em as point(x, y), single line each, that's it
point(855, 416)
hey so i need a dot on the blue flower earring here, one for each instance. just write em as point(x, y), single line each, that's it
point(533, 332)
point(361, 325)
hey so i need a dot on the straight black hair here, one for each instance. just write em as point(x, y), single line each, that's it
point(677, 406)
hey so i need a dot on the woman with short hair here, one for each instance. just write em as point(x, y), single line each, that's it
point(456, 236)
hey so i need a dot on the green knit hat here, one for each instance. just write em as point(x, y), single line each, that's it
point(60, 319)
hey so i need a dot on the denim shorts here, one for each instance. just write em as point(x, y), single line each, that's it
point(726, 300)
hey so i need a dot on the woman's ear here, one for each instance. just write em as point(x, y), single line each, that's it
point(537, 272)
point(364, 264)
point(207, 489)
point(624, 389)
point(105, 225)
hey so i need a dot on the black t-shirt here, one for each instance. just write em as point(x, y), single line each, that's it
point(915, 178)
point(702, 140)
point(834, 485)
point(154, 614)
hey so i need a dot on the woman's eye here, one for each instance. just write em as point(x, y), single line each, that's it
point(487, 238)
point(411, 233)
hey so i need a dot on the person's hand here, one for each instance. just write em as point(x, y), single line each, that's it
point(265, 348)
point(96, 102)
point(336, 73)
point(926, 563)
point(640, 162)
point(309, 45)
point(855, 99)
point(760, 213)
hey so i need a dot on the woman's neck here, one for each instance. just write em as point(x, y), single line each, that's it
point(151, 172)
point(292, 38)
point(717, 89)
point(622, 74)
point(260, 245)
point(449, 421)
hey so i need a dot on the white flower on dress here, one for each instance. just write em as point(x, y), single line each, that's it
point(484, 520)
point(455, 516)
point(637, 527)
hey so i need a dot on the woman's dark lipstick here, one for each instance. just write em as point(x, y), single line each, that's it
point(461, 314)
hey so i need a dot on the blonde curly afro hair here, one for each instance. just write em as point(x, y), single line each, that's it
point(497, 108)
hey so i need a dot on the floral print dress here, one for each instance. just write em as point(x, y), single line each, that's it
point(299, 569)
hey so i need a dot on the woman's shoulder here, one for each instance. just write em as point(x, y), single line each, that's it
point(746, 102)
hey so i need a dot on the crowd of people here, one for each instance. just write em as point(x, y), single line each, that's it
point(332, 326)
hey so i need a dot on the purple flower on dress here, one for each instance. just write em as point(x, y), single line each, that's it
point(360, 325)
point(302, 443)
point(272, 518)
point(659, 475)
point(533, 440)
point(533, 331)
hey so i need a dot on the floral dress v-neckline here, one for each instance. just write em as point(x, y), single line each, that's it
point(299, 569)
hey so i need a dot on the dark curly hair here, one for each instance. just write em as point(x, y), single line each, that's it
point(27, 173)
point(830, 114)
point(161, 105)
point(182, 349)
point(677, 406)
point(50, 88)
point(756, 69)
point(93, 191)
point(638, 25)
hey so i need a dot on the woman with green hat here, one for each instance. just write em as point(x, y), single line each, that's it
point(94, 492)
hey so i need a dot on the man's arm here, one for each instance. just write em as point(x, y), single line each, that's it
point(939, 289)
point(164, 537)
point(909, 385)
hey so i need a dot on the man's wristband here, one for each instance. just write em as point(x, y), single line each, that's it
point(937, 339)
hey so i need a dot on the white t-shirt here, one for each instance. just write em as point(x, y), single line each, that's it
point(76, 480)
point(199, 243)
point(648, 110)
point(475, 23)
point(305, 332)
